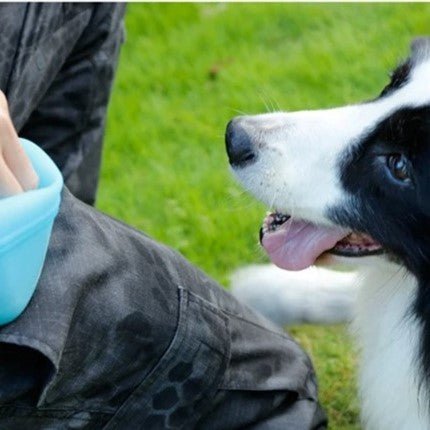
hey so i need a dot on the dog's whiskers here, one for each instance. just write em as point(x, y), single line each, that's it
point(240, 112)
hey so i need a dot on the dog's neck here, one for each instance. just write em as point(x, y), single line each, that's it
point(421, 309)
point(393, 388)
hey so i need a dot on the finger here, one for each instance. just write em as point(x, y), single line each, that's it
point(3, 102)
point(19, 164)
point(15, 157)
point(8, 183)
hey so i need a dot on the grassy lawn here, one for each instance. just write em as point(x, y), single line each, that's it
point(185, 70)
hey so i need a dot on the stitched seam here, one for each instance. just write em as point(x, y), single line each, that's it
point(223, 312)
point(283, 336)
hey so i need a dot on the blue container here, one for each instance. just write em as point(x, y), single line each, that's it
point(25, 228)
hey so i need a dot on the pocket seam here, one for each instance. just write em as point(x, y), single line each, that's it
point(183, 326)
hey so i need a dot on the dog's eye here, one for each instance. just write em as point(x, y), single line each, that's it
point(398, 166)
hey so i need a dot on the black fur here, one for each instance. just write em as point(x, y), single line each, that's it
point(395, 214)
point(399, 77)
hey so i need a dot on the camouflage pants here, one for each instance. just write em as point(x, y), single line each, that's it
point(57, 63)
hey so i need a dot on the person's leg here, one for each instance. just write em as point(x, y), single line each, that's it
point(225, 367)
point(69, 119)
point(268, 381)
point(136, 337)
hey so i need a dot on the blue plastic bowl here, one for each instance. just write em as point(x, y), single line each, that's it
point(25, 228)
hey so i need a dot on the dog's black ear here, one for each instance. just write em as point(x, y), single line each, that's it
point(420, 48)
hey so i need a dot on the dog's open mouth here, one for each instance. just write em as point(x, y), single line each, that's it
point(295, 245)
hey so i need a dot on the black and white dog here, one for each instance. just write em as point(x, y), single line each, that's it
point(352, 185)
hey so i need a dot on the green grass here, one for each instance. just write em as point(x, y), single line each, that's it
point(185, 70)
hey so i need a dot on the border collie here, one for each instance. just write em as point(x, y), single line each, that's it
point(351, 185)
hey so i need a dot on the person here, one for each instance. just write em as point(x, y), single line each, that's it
point(122, 332)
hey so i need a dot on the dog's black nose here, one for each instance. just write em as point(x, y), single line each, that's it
point(240, 148)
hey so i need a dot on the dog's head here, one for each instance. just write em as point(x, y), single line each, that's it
point(353, 180)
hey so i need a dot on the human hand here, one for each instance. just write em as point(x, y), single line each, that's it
point(16, 172)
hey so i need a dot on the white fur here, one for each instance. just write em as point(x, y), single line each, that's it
point(388, 337)
point(313, 296)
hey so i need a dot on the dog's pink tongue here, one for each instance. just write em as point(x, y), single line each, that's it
point(297, 244)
